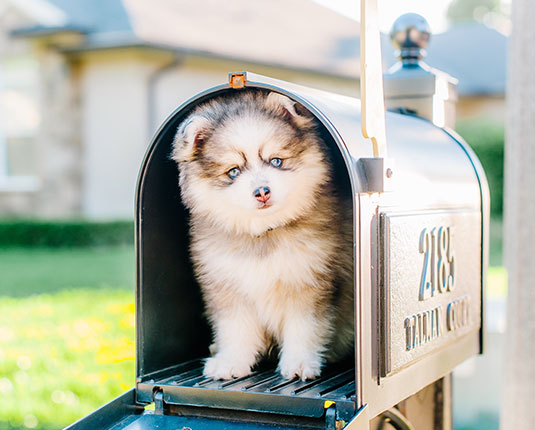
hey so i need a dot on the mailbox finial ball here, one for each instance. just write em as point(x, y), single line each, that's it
point(410, 34)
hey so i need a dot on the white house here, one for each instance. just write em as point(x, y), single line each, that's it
point(84, 84)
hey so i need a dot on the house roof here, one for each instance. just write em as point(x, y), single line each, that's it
point(95, 16)
point(296, 34)
point(473, 53)
point(299, 34)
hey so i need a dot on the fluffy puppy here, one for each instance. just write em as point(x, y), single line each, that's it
point(270, 249)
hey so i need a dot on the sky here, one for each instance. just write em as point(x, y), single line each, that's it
point(432, 10)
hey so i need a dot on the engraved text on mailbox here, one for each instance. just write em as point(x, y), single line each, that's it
point(429, 291)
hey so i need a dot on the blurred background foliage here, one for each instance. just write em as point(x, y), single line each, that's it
point(487, 140)
point(70, 233)
point(472, 10)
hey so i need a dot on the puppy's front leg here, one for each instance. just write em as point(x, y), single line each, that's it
point(303, 344)
point(239, 339)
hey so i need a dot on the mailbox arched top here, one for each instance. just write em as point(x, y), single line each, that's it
point(427, 158)
point(309, 98)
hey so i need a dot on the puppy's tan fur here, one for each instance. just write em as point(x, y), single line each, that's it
point(280, 271)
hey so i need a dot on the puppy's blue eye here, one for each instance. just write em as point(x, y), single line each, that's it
point(233, 173)
point(276, 162)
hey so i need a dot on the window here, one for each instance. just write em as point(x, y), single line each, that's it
point(19, 121)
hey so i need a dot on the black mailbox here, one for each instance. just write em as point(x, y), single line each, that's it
point(419, 266)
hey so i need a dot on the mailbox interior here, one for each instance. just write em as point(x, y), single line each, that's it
point(172, 333)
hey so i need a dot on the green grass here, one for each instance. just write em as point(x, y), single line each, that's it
point(62, 355)
point(66, 333)
point(26, 271)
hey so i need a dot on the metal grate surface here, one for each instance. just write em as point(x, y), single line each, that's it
point(264, 390)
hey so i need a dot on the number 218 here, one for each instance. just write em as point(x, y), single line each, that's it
point(438, 271)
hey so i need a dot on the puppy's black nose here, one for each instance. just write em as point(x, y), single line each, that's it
point(262, 194)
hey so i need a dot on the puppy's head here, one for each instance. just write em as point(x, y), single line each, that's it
point(251, 162)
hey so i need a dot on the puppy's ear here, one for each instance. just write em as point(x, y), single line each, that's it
point(288, 109)
point(190, 138)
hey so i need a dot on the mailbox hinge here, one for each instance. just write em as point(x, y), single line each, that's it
point(332, 418)
point(158, 403)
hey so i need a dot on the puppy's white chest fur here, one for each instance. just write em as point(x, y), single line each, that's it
point(271, 269)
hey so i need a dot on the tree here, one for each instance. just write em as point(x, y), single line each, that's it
point(472, 10)
point(518, 411)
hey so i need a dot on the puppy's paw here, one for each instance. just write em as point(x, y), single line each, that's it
point(225, 367)
point(303, 367)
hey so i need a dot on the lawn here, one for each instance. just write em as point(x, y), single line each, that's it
point(63, 355)
point(66, 333)
point(26, 271)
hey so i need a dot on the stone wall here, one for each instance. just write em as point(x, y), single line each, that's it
point(58, 144)
point(53, 189)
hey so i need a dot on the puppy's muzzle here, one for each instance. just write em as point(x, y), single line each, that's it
point(262, 194)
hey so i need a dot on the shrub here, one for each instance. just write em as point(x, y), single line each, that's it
point(487, 141)
point(65, 233)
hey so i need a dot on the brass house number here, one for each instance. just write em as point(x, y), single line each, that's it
point(439, 263)
point(438, 276)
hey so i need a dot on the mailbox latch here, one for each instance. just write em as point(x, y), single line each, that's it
point(237, 80)
point(379, 174)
